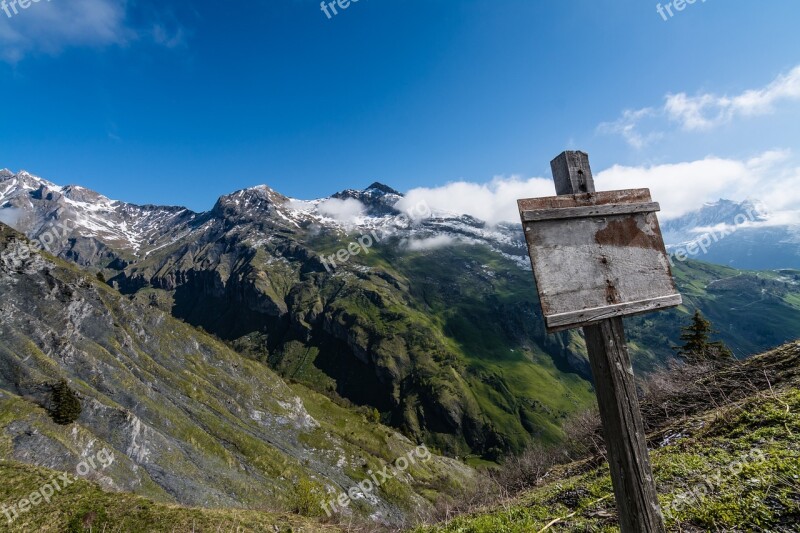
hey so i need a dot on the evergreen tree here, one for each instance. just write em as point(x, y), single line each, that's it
point(698, 346)
point(65, 407)
point(101, 278)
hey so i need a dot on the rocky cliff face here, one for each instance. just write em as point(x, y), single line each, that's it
point(188, 419)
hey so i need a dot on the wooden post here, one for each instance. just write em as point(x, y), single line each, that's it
point(623, 428)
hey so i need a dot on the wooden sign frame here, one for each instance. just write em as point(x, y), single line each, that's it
point(597, 255)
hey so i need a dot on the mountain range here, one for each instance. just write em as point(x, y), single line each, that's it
point(738, 234)
point(434, 325)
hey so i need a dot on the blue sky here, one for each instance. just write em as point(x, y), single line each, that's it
point(179, 102)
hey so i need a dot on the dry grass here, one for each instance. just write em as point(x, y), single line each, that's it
point(500, 486)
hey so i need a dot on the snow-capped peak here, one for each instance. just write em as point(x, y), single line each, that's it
point(36, 207)
point(379, 189)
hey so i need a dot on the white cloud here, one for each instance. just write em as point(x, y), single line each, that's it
point(706, 111)
point(680, 188)
point(684, 187)
point(10, 216)
point(492, 202)
point(49, 27)
point(627, 127)
point(346, 210)
point(431, 243)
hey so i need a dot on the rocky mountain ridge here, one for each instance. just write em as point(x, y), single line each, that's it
point(738, 234)
point(436, 326)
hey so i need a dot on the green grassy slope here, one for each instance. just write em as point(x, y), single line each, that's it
point(734, 468)
point(526, 380)
point(483, 303)
point(465, 320)
point(84, 506)
point(469, 337)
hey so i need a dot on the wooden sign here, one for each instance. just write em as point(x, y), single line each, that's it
point(597, 256)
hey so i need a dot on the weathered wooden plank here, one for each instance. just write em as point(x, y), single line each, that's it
point(572, 173)
point(628, 459)
point(588, 316)
point(595, 211)
point(587, 199)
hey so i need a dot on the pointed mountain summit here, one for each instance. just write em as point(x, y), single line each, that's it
point(380, 187)
point(249, 204)
point(379, 199)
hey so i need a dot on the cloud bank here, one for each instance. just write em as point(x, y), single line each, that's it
point(680, 188)
point(346, 210)
point(431, 243)
point(493, 202)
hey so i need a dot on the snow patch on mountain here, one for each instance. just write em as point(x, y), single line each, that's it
point(38, 205)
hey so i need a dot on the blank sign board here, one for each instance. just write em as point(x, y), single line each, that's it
point(597, 256)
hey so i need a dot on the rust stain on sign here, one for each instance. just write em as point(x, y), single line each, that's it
point(596, 256)
point(626, 232)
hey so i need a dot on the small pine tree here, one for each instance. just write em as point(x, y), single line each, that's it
point(698, 346)
point(101, 278)
point(65, 407)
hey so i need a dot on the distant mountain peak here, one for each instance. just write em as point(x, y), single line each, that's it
point(379, 199)
point(249, 204)
point(21, 184)
point(378, 186)
point(264, 192)
point(25, 175)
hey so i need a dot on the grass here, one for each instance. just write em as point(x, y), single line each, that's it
point(734, 468)
point(83, 506)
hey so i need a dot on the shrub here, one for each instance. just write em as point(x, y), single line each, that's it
point(65, 407)
point(524, 471)
point(306, 497)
